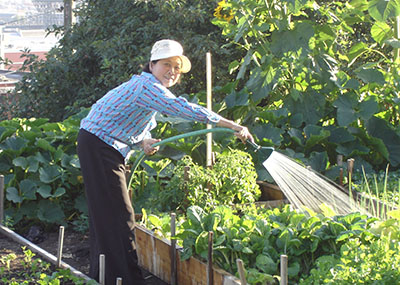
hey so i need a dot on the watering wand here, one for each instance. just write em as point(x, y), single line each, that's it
point(262, 152)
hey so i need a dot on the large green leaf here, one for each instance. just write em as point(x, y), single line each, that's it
point(28, 189)
point(381, 31)
point(369, 75)
point(292, 40)
point(346, 113)
point(340, 135)
point(50, 212)
point(382, 10)
point(379, 128)
point(20, 162)
point(16, 144)
point(49, 173)
point(13, 195)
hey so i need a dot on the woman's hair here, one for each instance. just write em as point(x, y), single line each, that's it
point(146, 68)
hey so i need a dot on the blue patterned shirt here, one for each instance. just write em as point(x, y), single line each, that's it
point(126, 114)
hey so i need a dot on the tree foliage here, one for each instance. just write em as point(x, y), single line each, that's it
point(112, 42)
point(319, 78)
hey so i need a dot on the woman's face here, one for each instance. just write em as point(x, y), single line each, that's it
point(167, 71)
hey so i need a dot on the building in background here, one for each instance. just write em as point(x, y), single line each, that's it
point(23, 28)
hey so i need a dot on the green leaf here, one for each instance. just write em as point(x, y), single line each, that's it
point(20, 162)
point(382, 10)
point(44, 191)
point(371, 75)
point(28, 189)
point(45, 145)
point(379, 128)
point(50, 212)
point(340, 135)
point(13, 195)
point(59, 192)
point(381, 31)
point(266, 264)
point(49, 173)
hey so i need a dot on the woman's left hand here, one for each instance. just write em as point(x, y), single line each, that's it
point(148, 148)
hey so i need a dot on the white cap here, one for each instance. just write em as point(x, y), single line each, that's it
point(169, 48)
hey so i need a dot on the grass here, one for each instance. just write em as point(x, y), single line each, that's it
point(380, 192)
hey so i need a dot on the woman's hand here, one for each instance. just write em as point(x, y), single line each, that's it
point(147, 145)
point(243, 134)
point(240, 132)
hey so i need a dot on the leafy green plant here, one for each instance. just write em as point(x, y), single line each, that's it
point(230, 181)
point(36, 271)
point(318, 78)
point(259, 236)
point(41, 169)
point(374, 263)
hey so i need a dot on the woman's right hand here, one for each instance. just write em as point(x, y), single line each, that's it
point(147, 145)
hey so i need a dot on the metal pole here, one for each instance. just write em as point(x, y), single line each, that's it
point(1, 199)
point(60, 245)
point(102, 269)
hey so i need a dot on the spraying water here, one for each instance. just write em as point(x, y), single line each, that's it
point(304, 187)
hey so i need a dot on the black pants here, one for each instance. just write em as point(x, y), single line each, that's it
point(111, 216)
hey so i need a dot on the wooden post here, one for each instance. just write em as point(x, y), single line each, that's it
point(209, 107)
point(119, 281)
point(102, 269)
point(350, 166)
point(210, 273)
point(60, 246)
point(242, 274)
point(1, 199)
point(173, 251)
point(284, 269)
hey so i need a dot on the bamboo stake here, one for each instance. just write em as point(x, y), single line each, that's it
point(242, 274)
point(102, 269)
point(60, 245)
point(210, 273)
point(1, 199)
point(119, 281)
point(173, 251)
point(284, 270)
point(209, 107)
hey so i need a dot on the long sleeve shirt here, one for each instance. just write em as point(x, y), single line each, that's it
point(126, 114)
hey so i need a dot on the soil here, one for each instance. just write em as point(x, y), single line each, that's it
point(75, 251)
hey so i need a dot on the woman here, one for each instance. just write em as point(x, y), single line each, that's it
point(118, 123)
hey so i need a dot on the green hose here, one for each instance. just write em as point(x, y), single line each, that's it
point(174, 138)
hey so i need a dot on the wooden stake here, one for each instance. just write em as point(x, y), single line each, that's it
point(242, 274)
point(350, 165)
point(119, 281)
point(60, 245)
point(102, 269)
point(1, 199)
point(173, 251)
point(210, 273)
point(209, 107)
point(284, 270)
